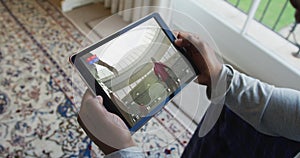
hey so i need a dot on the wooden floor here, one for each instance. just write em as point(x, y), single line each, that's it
point(94, 20)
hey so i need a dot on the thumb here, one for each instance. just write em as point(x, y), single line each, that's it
point(182, 42)
point(100, 99)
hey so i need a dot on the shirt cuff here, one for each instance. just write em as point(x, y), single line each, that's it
point(131, 152)
point(221, 87)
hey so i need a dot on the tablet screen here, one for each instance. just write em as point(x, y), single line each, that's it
point(139, 70)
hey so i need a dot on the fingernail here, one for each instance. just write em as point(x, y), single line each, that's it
point(177, 41)
point(100, 99)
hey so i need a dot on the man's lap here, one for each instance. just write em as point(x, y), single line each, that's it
point(233, 137)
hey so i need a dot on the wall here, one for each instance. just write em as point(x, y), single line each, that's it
point(68, 5)
point(241, 51)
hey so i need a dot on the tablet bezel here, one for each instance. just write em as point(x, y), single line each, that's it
point(97, 89)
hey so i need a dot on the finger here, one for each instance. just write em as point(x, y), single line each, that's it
point(186, 39)
point(182, 43)
point(93, 107)
point(195, 41)
point(178, 42)
point(100, 99)
point(176, 33)
point(184, 35)
point(90, 103)
point(87, 95)
point(192, 38)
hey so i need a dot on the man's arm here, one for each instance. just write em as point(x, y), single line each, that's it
point(282, 114)
point(273, 111)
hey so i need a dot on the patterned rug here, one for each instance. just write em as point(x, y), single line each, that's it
point(38, 90)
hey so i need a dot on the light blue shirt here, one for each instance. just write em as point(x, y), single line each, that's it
point(270, 110)
point(131, 152)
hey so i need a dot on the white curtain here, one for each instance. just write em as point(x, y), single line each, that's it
point(142, 7)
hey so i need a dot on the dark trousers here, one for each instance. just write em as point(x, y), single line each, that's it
point(231, 137)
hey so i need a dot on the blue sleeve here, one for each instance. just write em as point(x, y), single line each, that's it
point(131, 152)
point(282, 114)
point(273, 111)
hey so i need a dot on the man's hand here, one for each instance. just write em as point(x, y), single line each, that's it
point(203, 56)
point(107, 130)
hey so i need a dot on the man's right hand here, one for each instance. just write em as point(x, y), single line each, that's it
point(203, 56)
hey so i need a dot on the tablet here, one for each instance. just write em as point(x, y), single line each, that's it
point(136, 70)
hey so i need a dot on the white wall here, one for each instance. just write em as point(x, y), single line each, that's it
point(68, 5)
point(240, 51)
